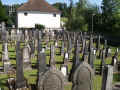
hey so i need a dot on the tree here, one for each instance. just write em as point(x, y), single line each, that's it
point(62, 7)
point(3, 16)
point(111, 16)
point(76, 18)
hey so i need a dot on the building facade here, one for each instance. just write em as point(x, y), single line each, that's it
point(38, 12)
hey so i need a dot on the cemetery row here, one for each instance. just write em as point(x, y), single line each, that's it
point(58, 60)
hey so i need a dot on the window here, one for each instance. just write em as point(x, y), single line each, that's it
point(25, 13)
point(54, 15)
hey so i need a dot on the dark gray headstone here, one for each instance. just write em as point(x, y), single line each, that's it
point(42, 62)
point(52, 80)
point(83, 77)
point(107, 78)
point(20, 82)
point(115, 63)
point(91, 57)
point(52, 57)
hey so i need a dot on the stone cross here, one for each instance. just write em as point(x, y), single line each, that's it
point(107, 78)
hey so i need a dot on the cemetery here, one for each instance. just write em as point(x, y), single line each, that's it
point(50, 57)
point(64, 61)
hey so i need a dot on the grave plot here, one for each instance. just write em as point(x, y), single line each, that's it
point(36, 60)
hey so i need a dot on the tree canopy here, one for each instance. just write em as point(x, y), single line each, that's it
point(3, 16)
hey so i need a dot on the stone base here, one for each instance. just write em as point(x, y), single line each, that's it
point(21, 84)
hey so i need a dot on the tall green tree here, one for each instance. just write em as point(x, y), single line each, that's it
point(111, 16)
point(3, 16)
point(76, 18)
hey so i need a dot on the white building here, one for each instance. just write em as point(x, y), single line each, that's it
point(38, 12)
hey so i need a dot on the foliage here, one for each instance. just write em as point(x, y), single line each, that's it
point(3, 16)
point(62, 7)
point(40, 26)
point(12, 16)
point(76, 18)
point(111, 16)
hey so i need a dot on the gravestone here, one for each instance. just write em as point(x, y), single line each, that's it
point(64, 69)
point(83, 45)
point(76, 58)
point(5, 58)
point(39, 45)
point(102, 61)
point(20, 81)
point(32, 49)
point(13, 34)
point(52, 57)
point(52, 80)
point(69, 46)
point(42, 67)
point(56, 43)
point(108, 52)
point(4, 36)
point(107, 78)
point(76, 61)
point(6, 66)
point(105, 44)
point(91, 57)
point(3, 26)
point(26, 36)
point(66, 58)
point(98, 43)
point(83, 77)
point(5, 52)
point(91, 43)
point(26, 58)
point(115, 63)
point(62, 49)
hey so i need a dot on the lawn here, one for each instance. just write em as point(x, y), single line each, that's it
point(31, 75)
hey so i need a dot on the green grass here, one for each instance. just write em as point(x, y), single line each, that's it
point(31, 75)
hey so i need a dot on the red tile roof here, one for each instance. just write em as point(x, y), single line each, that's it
point(38, 5)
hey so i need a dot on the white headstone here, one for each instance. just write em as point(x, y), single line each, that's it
point(66, 56)
point(64, 70)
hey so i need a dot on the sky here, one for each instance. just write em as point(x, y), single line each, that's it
point(10, 2)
